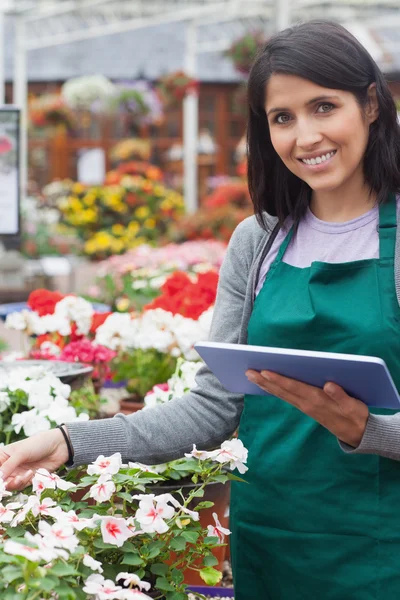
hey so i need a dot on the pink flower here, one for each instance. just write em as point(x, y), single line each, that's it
point(115, 531)
point(45, 480)
point(59, 535)
point(217, 530)
point(78, 523)
point(45, 507)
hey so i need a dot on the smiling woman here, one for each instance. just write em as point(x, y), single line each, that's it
point(316, 269)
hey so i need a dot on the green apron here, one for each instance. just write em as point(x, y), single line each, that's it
point(314, 522)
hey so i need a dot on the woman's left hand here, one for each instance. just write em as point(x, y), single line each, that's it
point(341, 414)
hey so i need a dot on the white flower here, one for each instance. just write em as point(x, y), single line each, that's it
point(109, 465)
point(152, 513)
point(30, 421)
point(45, 480)
point(50, 348)
point(17, 549)
point(78, 310)
point(78, 523)
point(132, 579)
point(234, 453)
point(4, 401)
point(103, 489)
point(7, 513)
point(199, 454)
point(133, 595)
point(59, 535)
point(45, 507)
point(3, 490)
point(93, 564)
point(115, 531)
point(217, 530)
point(17, 320)
point(48, 551)
point(102, 589)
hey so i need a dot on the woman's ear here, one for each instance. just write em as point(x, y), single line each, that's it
point(372, 109)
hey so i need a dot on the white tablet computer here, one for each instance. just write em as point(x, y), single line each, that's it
point(364, 377)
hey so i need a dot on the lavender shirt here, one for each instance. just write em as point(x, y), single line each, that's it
point(318, 240)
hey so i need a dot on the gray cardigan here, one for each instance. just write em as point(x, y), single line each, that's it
point(208, 414)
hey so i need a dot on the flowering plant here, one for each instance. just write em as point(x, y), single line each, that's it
point(174, 87)
point(181, 382)
point(127, 545)
point(189, 296)
point(49, 110)
point(31, 400)
point(139, 101)
point(89, 92)
point(209, 223)
point(131, 149)
point(130, 281)
point(244, 50)
point(116, 217)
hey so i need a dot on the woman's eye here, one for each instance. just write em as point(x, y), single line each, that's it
point(326, 107)
point(282, 119)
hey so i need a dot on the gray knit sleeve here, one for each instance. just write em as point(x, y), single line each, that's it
point(206, 416)
point(381, 436)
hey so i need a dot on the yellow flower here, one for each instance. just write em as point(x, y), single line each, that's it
point(142, 212)
point(122, 304)
point(78, 188)
point(150, 223)
point(89, 199)
point(118, 229)
point(133, 227)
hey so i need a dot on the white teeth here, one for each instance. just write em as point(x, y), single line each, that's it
point(318, 159)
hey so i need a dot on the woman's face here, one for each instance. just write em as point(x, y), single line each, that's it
point(319, 133)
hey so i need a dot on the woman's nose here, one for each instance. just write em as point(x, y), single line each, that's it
point(307, 136)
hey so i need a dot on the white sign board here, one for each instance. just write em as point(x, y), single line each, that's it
point(9, 170)
point(91, 166)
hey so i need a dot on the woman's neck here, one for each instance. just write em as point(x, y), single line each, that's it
point(341, 205)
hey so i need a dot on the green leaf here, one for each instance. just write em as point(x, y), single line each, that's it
point(178, 543)
point(11, 573)
point(62, 569)
point(198, 493)
point(164, 585)
point(125, 496)
point(101, 545)
point(210, 560)
point(178, 596)
point(65, 592)
point(211, 540)
point(159, 569)
point(190, 536)
point(133, 559)
point(177, 576)
point(210, 576)
point(236, 478)
point(204, 504)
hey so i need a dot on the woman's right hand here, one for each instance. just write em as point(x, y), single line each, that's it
point(19, 460)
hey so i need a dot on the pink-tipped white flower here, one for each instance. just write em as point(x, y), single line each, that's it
point(232, 452)
point(46, 507)
point(17, 549)
point(106, 465)
point(132, 579)
point(78, 523)
point(170, 498)
point(115, 531)
point(93, 564)
point(48, 551)
point(7, 512)
point(103, 489)
point(217, 530)
point(59, 535)
point(152, 512)
point(3, 489)
point(199, 454)
point(45, 480)
point(102, 589)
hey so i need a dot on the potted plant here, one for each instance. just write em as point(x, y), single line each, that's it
point(130, 545)
point(174, 87)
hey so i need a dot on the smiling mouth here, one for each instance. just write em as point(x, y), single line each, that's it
point(317, 160)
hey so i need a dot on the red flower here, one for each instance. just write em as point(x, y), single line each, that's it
point(180, 295)
point(97, 320)
point(43, 301)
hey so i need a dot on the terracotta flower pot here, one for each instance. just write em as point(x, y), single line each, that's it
point(219, 493)
point(131, 404)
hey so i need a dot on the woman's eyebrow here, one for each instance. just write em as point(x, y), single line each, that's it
point(312, 101)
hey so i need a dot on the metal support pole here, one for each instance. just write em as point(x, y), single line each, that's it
point(2, 60)
point(20, 97)
point(190, 123)
point(283, 19)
